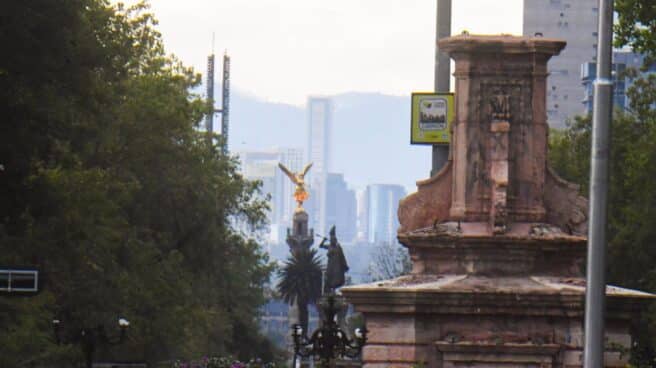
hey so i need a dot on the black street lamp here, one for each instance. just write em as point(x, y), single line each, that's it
point(89, 338)
point(328, 342)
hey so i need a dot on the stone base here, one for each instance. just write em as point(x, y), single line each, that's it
point(489, 344)
point(476, 321)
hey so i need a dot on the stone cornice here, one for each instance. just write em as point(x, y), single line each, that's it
point(457, 45)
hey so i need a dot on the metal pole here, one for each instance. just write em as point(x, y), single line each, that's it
point(323, 281)
point(442, 74)
point(601, 119)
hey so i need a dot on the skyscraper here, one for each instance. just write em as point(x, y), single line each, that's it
point(341, 208)
point(263, 165)
point(622, 60)
point(363, 215)
point(574, 21)
point(382, 220)
point(320, 114)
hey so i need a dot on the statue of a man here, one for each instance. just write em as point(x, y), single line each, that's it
point(337, 266)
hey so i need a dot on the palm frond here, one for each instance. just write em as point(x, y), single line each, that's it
point(300, 277)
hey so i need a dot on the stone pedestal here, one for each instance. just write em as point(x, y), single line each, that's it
point(497, 240)
point(299, 237)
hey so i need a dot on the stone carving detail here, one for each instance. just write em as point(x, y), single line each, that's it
point(429, 204)
point(492, 70)
point(499, 146)
point(452, 337)
point(499, 213)
point(500, 104)
point(566, 207)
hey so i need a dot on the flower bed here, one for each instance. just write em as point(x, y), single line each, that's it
point(223, 362)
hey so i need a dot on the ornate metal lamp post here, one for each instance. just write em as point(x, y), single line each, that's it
point(328, 341)
point(89, 338)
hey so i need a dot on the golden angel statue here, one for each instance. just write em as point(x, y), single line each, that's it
point(300, 194)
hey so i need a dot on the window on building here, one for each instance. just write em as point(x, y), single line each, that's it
point(562, 15)
point(595, 34)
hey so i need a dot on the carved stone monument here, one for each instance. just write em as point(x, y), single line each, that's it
point(300, 237)
point(496, 238)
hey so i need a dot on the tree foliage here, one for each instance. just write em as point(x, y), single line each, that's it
point(636, 26)
point(109, 189)
point(632, 200)
point(300, 281)
point(632, 196)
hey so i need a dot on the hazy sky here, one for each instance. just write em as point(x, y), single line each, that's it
point(285, 50)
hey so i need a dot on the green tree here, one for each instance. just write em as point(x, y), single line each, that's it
point(300, 282)
point(110, 190)
point(632, 197)
point(636, 26)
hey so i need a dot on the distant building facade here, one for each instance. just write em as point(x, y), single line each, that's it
point(262, 165)
point(574, 21)
point(363, 216)
point(382, 205)
point(319, 152)
point(341, 208)
point(622, 60)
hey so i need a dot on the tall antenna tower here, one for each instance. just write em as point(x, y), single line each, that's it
point(225, 98)
point(209, 118)
point(225, 101)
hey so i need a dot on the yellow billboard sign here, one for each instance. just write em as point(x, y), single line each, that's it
point(432, 116)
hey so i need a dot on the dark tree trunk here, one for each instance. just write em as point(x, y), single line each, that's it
point(303, 315)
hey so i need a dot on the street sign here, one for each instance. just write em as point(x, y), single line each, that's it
point(19, 281)
point(431, 118)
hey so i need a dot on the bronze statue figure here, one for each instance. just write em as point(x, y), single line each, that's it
point(337, 266)
point(300, 194)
